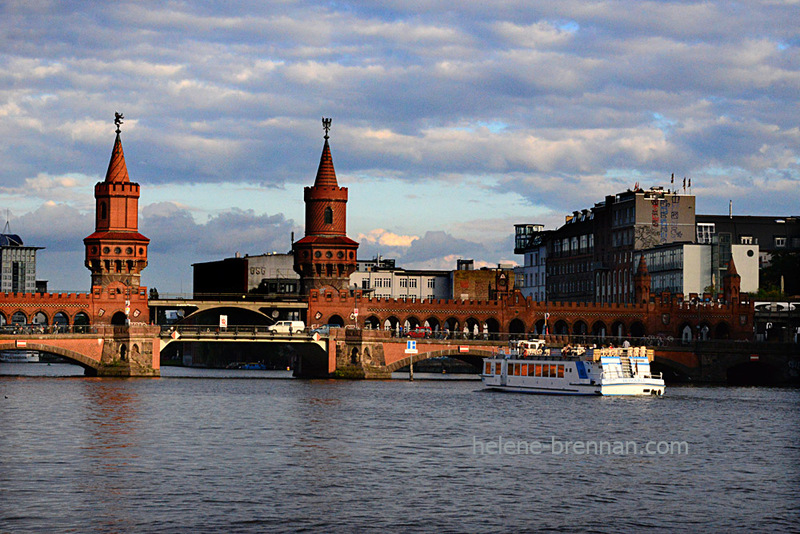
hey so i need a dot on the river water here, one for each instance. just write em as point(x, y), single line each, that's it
point(203, 451)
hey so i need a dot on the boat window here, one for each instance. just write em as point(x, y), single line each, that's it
point(517, 368)
point(488, 369)
point(553, 371)
point(538, 369)
point(560, 371)
point(531, 370)
point(497, 368)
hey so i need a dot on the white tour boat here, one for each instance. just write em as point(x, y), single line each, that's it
point(19, 356)
point(529, 367)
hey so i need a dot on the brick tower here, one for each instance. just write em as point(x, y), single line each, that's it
point(325, 258)
point(731, 284)
point(116, 252)
point(641, 283)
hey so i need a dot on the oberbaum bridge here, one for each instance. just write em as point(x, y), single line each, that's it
point(112, 330)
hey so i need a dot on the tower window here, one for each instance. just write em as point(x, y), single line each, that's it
point(328, 216)
point(102, 210)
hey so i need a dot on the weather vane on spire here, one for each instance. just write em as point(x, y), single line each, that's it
point(326, 125)
point(118, 120)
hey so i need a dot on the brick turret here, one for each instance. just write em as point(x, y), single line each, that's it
point(731, 283)
point(116, 252)
point(325, 258)
point(641, 283)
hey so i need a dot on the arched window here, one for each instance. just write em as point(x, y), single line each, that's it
point(328, 216)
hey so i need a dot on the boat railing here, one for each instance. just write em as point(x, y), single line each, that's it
point(614, 374)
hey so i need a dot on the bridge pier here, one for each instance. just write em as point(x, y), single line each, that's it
point(129, 352)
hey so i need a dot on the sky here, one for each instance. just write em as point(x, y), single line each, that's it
point(452, 121)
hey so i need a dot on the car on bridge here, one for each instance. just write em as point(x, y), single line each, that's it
point(324, 330)
point(421, 331)
point(287, 327)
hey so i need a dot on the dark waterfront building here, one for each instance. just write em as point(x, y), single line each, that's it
point(266, 276)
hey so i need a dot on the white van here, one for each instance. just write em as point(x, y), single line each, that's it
point(287, 327)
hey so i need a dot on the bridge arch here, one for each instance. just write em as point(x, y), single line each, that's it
point(599, 329)
point(336, 319)
point(373, 322)
point(722, 331)
point(391, 323)
point(89, 365)
point(579, 328)
point(451, 323)
point(618, 329)
point(60, 319)
point(753, 374)
point(474, 357)
point(538, 328)
point(561, 328)
point(516, 326)
point(492, 327)
point(433, 323)
point(3, 319)
point(638, 329)
point(19, 317)
point(39, 318)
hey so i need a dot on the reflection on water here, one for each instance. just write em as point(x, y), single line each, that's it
point(193, 454)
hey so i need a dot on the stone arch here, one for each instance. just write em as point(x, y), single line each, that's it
point(599, 329)
point(391, 323)
point(704, 331)
point(3, 319)
point(451, 323)
point(119, 318)
point(433, 323)
point(473, 327)
point(561, 328)
point(579, 328)
point(618, 329)
point(80, 322)
point(516, 326)
point(39, 318)
point(538, 328)
point(123, 350)
point(685, 332)
point(411, 322)
point(354, 356)
point(61, 321)
point(19, 317)
point(492, 327)
point(638, 329)
point(722, 331)
point(372, 322)
point(88, 363)
point(336, 319)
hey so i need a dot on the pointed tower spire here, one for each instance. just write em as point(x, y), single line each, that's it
point(326, 175)
point(117, 170)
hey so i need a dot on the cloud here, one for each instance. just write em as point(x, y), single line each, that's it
point(380, 236)
point(555, 105)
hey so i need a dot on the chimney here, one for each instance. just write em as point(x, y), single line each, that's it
point(730, 209)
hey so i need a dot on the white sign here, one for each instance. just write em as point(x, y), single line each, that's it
point(411, 347)
point(355, 312)
point(223, 321)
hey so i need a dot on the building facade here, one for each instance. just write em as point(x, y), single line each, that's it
point(530, 240)
point(17, 264)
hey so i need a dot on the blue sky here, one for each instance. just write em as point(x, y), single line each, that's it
point(451, 121)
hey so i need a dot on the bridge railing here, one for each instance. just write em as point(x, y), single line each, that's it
point(24, 330)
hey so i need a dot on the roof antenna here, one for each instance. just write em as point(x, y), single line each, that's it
point(7, 228)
